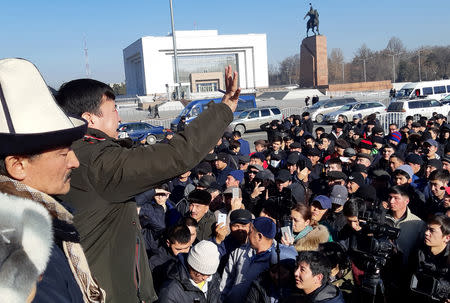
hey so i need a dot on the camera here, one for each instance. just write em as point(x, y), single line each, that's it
point(429, 281)
point(377, 234)
point(284, 203)
point(373, 246)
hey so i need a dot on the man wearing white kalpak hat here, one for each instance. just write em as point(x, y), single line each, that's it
point(111, 175)
point(195, 278)
point(35, 163)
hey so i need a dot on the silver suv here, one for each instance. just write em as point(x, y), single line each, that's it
point(251, 119)
point(349, 110)
point(318, 110)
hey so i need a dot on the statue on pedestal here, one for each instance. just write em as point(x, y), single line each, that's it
point(313, 21)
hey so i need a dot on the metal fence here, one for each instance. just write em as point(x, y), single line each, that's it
point(389, 118)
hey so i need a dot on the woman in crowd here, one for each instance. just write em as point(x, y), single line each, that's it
point(307, 236)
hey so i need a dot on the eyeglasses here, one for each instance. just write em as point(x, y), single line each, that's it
point(253, 172)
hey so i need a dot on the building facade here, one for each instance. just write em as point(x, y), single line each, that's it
point(202, 57)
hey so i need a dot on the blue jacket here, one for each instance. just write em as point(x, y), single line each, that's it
point(58, 284)
point(245, 147)
point(243, 267)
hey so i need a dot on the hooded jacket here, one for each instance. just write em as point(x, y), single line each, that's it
point(179, 288)
point(102, 194)
point(327, 293)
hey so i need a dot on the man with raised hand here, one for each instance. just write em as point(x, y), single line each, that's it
point(110, 175)
point(36, 163)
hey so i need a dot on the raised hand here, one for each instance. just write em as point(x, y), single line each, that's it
point(232, 91)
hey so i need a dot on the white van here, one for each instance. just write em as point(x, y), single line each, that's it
point(426, 89)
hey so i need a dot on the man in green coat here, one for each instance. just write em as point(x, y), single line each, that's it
point(111, 174)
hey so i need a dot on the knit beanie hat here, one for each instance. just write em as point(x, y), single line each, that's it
point(204, 257)
point(395, 136)
point(237, 174)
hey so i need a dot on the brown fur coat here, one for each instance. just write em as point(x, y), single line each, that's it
point(312, 240)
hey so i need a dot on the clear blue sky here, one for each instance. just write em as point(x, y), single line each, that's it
point(50, 33)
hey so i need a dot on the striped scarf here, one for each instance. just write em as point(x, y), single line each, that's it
point(92, 293)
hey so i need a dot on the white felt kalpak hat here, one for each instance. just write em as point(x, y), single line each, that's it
point(25, 246)
point(30, 119)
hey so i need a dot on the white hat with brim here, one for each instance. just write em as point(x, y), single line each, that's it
point(30, 119)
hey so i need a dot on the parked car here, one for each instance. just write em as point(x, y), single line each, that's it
point(194, 108)
point(351, 109)
point(252, 119)
point(318, 110)
point(446, 99)
point(142, 132)
point(417, 108)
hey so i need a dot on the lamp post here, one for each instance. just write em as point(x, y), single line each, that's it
point(420, 74)
point(364, 66)
point(174, 40)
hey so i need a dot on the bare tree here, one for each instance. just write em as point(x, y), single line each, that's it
point(335, 65)
point(395, 46)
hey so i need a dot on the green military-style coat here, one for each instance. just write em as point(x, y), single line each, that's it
point(102, 192)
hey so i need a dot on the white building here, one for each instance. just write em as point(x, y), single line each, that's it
point(202, 56)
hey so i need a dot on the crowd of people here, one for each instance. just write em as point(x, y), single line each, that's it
point(337, 191)
point(351, 215)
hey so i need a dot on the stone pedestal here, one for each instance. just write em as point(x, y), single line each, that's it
point(314, 62)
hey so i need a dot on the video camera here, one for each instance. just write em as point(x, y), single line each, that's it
point(429, 281)
point(283, 200)
point(378, 234)
point(373, 246)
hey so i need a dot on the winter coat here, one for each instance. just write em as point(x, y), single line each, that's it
point(221, 175)
point(160, 264)
point(312, 240)
point(327, 293)
point(262, 289)
point(179, 288)
point(307, 125)
point(58, 284)
point(205, 229)
point(245, 147)
point(176, 189)
point(102, 191)
point(244, 266)
point(412, 231)
point(335, 222)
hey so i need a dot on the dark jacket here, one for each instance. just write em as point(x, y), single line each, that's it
point(307, 125)
point(327, 293)
point(221, 175)
point(102, 191)
point(58, 283)
point(205, 228)
point(262, 290)
point(179, 288)
point(271, 132)
point(160, 265)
